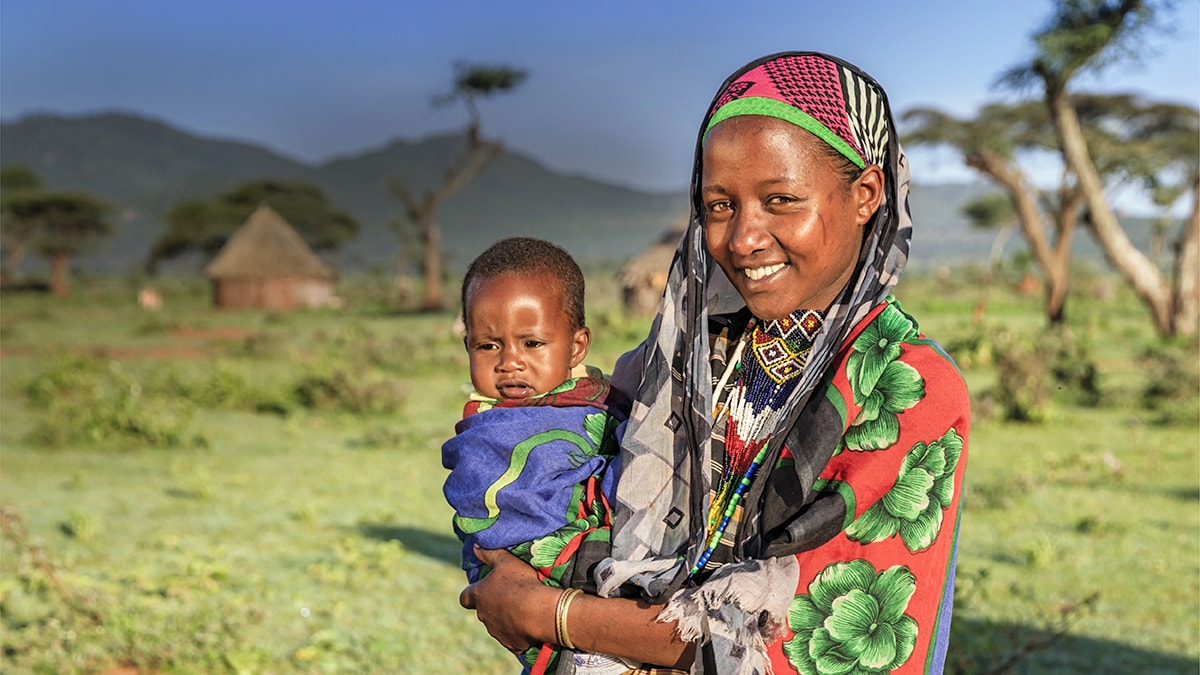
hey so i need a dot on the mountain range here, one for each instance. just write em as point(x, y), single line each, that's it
point(144, 166)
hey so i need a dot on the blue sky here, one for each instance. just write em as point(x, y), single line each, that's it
point(615, 89)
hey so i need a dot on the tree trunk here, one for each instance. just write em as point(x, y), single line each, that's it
point(58, 275)
point(1185, 310)
point(12, 260)
point(1148, 282)
point(423, 213)
point(1053, 259)
point(1058, 271)
point(431, 263)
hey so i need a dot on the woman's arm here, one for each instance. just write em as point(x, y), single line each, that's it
point(518, 611)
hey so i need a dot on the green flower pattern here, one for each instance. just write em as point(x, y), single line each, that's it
point(914, 505)
point(544, 550)
point(882, 385)
point(852, 621)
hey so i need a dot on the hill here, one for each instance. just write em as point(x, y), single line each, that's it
point(145, 166)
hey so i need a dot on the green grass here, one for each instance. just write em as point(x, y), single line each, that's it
point(316, 540)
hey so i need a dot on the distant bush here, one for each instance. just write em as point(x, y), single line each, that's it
point(359, 391)
point(1172, 389)
point(1073, 370)
point(403, 354)
point(221, 385)
point(88, 401)
point(1034, 369)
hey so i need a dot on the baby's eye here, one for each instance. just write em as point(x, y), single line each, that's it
point(533, 344)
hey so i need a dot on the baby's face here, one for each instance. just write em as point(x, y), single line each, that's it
point(519, 338)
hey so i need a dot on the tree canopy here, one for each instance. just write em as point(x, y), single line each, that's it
point(1102, 141)
point(204, 225)
point(57, 224)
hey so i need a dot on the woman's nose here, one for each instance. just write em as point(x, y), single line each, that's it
point(749, 232)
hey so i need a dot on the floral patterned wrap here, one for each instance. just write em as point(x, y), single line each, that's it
point(843, 561)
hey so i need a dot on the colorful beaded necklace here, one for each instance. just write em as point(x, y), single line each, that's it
point(767, 373)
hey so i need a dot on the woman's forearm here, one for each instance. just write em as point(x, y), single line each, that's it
point(626, 628)
point(519, 611)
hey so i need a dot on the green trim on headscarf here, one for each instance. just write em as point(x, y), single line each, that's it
point(761, 105)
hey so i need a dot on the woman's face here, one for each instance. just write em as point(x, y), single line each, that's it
point(780, 220)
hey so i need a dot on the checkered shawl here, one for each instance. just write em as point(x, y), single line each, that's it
point(661, 506)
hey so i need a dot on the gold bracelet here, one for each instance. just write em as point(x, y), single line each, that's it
point(560, 617)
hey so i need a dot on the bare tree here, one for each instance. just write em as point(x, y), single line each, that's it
point(471, 83)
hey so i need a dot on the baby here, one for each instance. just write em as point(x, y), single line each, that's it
point(530, 461)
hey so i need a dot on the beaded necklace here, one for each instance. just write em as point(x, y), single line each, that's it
point(768, 362)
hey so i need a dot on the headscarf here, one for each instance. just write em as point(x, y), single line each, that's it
point(661, 507)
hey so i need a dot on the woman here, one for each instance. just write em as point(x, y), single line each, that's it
point(792, 470)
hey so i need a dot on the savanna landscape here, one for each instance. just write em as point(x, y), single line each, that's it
point(191, 490)
point(188, 489)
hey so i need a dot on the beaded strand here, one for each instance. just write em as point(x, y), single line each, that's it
point(755, 388)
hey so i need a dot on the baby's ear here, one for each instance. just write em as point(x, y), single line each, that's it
point(579, 347)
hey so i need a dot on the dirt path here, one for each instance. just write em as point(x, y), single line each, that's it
point(186, 343)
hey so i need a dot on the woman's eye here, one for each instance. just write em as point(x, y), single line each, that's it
point(780, 199)
point(486, 346)
point(720, 206)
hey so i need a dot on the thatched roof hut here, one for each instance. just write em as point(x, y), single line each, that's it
point(266, 265)
point(644, 277)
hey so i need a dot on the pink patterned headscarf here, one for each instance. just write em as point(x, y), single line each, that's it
point(830, 101)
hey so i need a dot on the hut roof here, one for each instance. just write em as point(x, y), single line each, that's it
point(655, 258)
point(267, 247)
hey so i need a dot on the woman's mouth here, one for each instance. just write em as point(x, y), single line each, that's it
point(757, 273)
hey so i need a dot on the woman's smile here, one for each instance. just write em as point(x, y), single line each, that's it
point(760, 273)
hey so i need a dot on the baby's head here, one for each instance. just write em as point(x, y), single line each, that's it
point(523, 310)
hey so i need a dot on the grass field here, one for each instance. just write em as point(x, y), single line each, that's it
point(203, 492)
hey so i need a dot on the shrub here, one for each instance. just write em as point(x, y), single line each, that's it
point(1031, 370)
point(221, 385)
point(68, 375)
point(360, 392)
point(1072, 368)
point(1172, 389)
point(84, 403)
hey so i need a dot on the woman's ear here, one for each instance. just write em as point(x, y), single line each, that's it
point(579, 347)
point(868, 191)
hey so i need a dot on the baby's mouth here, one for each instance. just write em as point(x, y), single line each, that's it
point(514, 390)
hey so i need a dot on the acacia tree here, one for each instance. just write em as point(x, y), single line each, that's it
point(61, 225)
point(1088, 35)
point(204, 225)
point(471, 83)
point(1131, 143)
point(15, 232)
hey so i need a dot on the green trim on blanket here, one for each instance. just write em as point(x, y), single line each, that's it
point(520, 455)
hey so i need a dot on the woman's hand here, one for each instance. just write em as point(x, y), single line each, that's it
point(511, 602)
